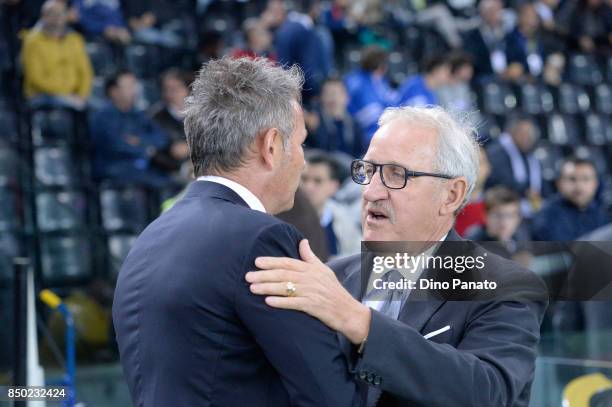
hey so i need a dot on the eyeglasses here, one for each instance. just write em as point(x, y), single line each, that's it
point(393, 176)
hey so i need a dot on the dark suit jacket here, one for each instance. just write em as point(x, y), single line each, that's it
point(190, 333)
point(486, 359)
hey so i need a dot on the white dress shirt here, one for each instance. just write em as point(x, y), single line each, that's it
point(248, 197)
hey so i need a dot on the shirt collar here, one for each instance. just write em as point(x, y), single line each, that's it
point(248, 197)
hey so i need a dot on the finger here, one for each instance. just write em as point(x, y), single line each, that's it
point(272, 276)
point(279, 289)
point(279, 263)
point(307, 254)
point(294, 303)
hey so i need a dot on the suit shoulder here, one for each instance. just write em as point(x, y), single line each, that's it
point(344, 266)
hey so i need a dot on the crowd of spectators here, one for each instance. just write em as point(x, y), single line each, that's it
point(358, 57)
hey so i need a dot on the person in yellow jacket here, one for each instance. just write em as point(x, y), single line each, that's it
point(56, 65)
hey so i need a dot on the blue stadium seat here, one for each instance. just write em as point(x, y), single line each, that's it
point(603, 98)
point(52, 126)
point(8, 210)
point(562, 130)
point(65, 259)
point(150, 93)
point(124, 209)
point(584, 70)
point(593, 154)
point(398, 67)
point(572, 99)
point(550, 157)
point(101, 57)
point(598, 129)
point(498, 98)
point(536, 99)
point(53, 166)
point(9, 166)
point(488, 127)
point(60, 211)
point(98, 95)
point(118, 247)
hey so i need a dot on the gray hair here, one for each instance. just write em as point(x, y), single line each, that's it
point(457, 150)
point(231, 102)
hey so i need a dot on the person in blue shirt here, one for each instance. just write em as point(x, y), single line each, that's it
point(369, 90)
point(125, 140)
point(576, 210)
point(419, 90)
point(102, 18)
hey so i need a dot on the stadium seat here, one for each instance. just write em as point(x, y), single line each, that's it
point(498, 98)
point(52, 126)
point(149, 93)
point(584, 70)
point(98, 96)
point(488, 127)
point(593, 154)
point(536, 99)
point(8, 210)
point(53, 166)
point(65, 258)
point(60, 211)
point(572, 99)
point(124, 209)
point(598, 129)
point(8, 125)
point(9, 166)
point(603, 98)
point(118, 248)
point(562, 130)
point(398, 65)
point(101, 57)
point(550, 157)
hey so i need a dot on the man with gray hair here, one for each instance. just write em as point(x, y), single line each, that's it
point(403, 349)
point(190, 333)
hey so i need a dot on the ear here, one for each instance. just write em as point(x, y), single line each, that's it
point(269, 145)
point(456, 190)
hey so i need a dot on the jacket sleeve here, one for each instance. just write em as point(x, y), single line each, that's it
point(305, 352)
point(490, 366)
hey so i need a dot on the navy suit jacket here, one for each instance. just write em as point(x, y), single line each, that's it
point(486, 358)
point(190, 333)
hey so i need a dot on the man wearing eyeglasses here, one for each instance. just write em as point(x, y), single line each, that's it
point(417, 174)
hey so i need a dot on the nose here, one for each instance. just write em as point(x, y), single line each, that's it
point(375, 190)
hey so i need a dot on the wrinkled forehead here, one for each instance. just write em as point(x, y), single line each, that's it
point(404, 142)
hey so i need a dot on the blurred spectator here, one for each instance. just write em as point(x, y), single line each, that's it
point(591, 26)
point(298, 40)
point(575, 211)
point(473, 214)
point(514, 165)
point(526, 52)
point(210, 46)
point(369, 90)
point(320, 181)
point(420, 89)
point(486, 43)
point(457, 95)
point(168, 115)
point(502, 221)
point(335, 129)
point(438, 16)
point(102, 18)
point(338, 19)
point(159, 22)
point(57, 70)
point(125, 139)
point(258, 41)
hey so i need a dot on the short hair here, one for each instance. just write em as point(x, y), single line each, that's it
point(434, 62)
point(231, 102)
point(458, 152)
point(113, 80)
point(176, 74)
point(316, 157)
point(577, 160)
point(458, 59)
point(373, 57)
point(516, 118)
point(500, 195)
